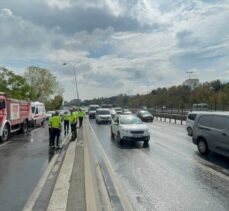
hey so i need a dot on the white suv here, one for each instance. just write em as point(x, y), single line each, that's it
point(129, 128)
point(103, 115)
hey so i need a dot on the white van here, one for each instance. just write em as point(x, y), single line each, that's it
point(38, 113)
point(211, 133)
point(190, 120)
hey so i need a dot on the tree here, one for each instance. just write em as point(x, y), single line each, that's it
point(14, 85)
point(55, 103)
point(44, 83)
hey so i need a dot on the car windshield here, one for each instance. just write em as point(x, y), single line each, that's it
point(103, 112)
point(145, 113)
point(126, 110)
point(129, 120)
point(33, 109)
point(93, 108)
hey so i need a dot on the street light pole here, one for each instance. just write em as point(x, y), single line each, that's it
point(76, 82)
point(189, 74)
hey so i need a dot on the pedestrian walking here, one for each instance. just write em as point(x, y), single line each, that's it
point(81, 115)
point(56, 130)
point(66, 123)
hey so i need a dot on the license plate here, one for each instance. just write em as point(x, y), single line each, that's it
point(137, 136)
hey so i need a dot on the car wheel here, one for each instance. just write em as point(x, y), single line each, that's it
point(146, 144)
point(202, 147)
point(5, 134)
point(24, 127)
point(190, 132)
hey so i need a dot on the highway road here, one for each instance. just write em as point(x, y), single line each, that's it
point(23, 159)
point(169, 174)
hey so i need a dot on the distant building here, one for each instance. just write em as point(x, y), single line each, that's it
point(192, 83)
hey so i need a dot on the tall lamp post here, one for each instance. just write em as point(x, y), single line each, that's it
point(189, 74)
point(76, 82)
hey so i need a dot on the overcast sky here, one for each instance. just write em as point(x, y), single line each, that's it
point(117, 46)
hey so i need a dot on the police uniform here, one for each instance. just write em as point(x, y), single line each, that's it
point(81, 116)
point(56, 128)
point(50, 130)
point(73, 121)
point(66, 122)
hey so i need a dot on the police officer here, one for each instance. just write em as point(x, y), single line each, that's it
point(81, 116)
point(50, 130)
point(66, 122)
point(56, 129)
point(73, 122)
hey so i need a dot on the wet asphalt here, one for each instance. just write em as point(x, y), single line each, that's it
point(23, 159)
point(169, 174)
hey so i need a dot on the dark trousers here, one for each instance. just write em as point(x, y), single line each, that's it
point(50, 136)
point(66, 126)
point(55, 136)
point(80, 121)
point(74, 131)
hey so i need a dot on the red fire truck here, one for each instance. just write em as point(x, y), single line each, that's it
point(14, 116)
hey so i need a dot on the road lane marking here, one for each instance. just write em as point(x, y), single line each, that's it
point(122, 195)
point(37, 190)
point(59, 198)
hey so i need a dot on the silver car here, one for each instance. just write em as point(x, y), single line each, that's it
point(211, 133)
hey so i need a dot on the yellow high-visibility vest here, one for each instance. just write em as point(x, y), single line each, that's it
point(56, 121)
point(81, 114)
point(67, 116)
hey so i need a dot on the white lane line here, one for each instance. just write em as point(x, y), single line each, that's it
point(37, 190)
point(59, 198)
point(4, 144)
point(119, 188)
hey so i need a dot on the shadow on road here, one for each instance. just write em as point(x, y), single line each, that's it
point(130, 144)
point(219, 162)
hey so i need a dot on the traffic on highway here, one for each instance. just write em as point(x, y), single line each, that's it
point(114, 105)
point(157, 162)
point(169, 173)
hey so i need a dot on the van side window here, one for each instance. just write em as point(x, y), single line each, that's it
point(216, 122)
point(192, 117)
point(220, 122)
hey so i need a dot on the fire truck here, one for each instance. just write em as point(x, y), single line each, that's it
point(14, 116)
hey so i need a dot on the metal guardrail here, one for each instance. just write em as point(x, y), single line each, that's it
point(170, 117)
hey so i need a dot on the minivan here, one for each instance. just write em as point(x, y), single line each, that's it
point(190, 120)
point(211, 133)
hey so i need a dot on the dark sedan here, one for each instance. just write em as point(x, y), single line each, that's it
point(145, 116)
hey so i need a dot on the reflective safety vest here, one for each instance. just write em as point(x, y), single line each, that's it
point(67, 116)
point(56, 121)
point(73, 117)
point(81, 114)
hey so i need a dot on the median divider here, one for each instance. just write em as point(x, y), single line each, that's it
point(79, 179)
